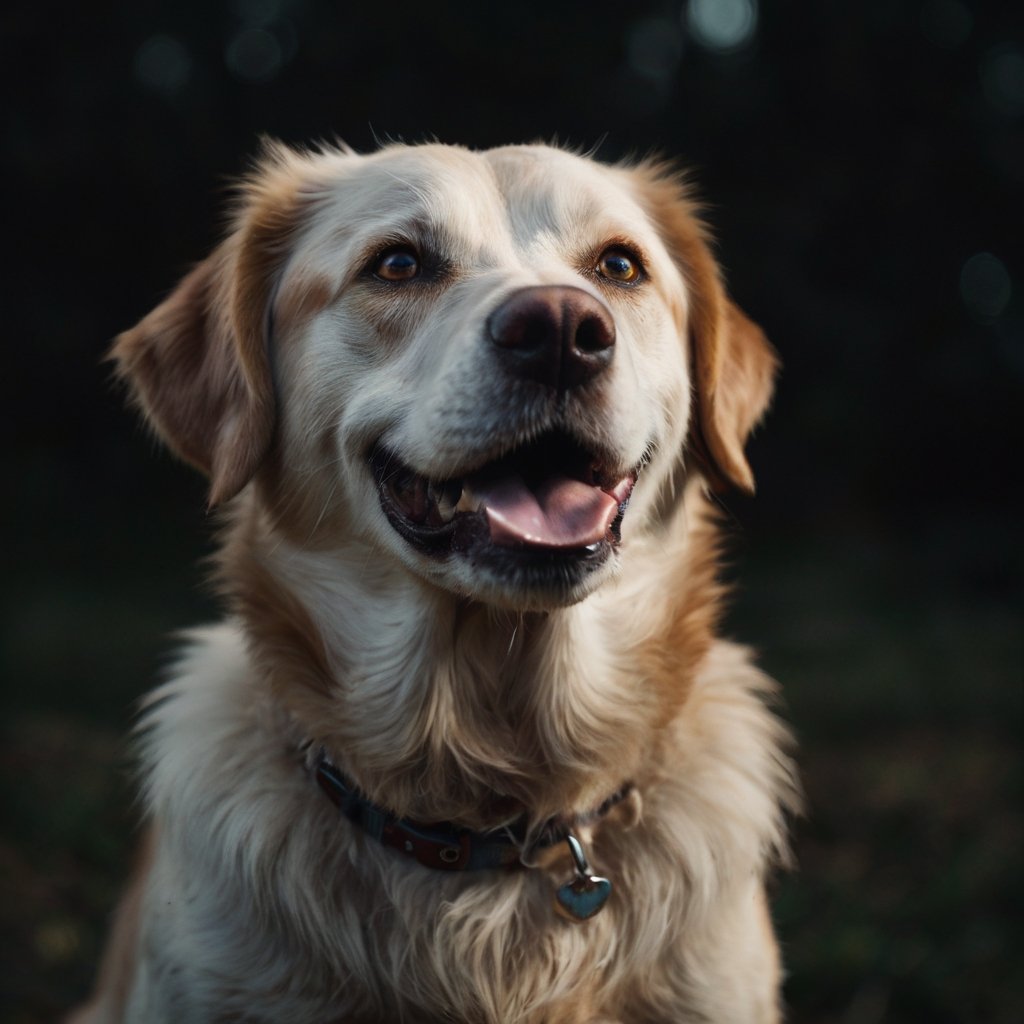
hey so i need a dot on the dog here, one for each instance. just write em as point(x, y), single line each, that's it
point(467, 747)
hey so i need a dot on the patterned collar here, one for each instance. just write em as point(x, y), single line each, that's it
point(444, 845)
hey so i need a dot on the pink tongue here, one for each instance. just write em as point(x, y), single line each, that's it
point(559, 513)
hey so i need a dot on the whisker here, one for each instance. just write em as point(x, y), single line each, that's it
point(323, 511)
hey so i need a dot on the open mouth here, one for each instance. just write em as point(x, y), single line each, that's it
point(550, 501)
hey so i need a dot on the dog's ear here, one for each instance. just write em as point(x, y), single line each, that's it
point(735, 369)
point(733, 364)
point(198, 364)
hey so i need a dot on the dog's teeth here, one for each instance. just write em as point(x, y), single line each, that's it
point(445, 510)
point(468, 502)
point(445, 498)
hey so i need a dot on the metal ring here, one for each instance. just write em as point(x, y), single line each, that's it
point(578, 856)
point(449, 854)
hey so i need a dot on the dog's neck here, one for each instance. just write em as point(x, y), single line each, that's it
point(444, 709)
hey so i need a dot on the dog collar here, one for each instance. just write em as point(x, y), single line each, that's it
point(448, 847)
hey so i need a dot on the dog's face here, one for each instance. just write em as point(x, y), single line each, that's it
point(498, 361)
point(487, 365)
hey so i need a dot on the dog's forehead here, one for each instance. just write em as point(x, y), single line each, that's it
point(432, 183)
point(514, 195)
point(559, 190)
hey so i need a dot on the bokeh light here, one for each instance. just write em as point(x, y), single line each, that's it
point(162, 64)
point(254, 55)
point(1002, 78)
point(985, 286)
point(723, 26)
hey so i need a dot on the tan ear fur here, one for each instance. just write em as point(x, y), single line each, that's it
point(738, 370)
point(733, 364)
point(198, 364)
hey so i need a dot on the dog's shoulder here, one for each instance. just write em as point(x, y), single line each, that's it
point(203, 686)
point(210, 734)
point(727, 781)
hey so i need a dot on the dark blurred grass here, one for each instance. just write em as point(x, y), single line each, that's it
point(907, 902)
point(66, 842)
point(902, 663)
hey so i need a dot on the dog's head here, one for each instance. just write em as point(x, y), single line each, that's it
point(491, 366)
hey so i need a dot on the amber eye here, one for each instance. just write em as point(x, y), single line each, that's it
point(619, 266)
point(398, 264)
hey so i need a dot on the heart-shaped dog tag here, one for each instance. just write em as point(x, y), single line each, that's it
point(583, 897)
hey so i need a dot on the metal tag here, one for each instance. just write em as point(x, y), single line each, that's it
point(585, 894)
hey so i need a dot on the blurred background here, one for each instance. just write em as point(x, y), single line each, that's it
point(864, 168)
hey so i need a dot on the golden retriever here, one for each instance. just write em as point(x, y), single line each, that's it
point(466, 747)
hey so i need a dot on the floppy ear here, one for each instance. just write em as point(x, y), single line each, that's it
point(197, 364)
point(733, 364)
point(735, 369)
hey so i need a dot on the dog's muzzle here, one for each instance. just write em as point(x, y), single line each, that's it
point(543, 513)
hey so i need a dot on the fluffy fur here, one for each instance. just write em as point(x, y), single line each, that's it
point(449, 688)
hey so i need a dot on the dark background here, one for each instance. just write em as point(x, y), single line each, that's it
point(864, 165)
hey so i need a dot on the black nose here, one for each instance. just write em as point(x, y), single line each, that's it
point(556, 335)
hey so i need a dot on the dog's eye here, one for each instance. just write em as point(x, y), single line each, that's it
point(398, 264)
point(619, 266)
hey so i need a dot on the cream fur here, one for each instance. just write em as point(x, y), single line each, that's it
point(434, 684)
